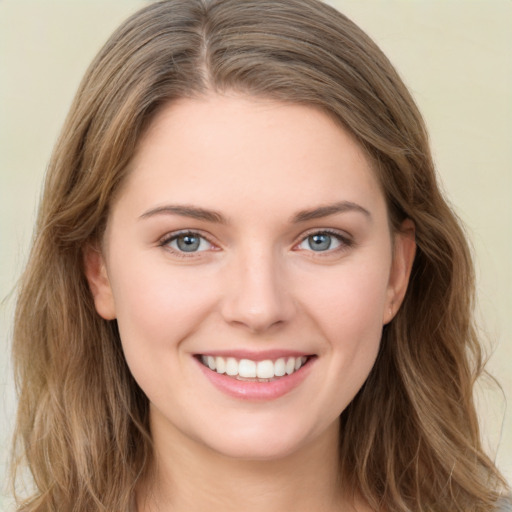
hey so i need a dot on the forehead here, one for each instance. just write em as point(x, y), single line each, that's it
point(243, 150)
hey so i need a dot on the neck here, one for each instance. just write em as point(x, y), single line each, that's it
point(187, 476)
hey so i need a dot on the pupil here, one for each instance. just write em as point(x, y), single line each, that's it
point(188, 243)
point(319, 242)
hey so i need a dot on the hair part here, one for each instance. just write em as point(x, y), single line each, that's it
point(410, 438)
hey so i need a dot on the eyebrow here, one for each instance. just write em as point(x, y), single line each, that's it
point(330, 209)
point(216, 217)
point(186, 211)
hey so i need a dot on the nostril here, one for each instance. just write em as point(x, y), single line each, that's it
point(256, 318)
point(257, 298)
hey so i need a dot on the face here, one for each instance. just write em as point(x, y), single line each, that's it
point(249, 263)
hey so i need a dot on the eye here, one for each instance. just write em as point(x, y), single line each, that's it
point(187, 242)
point(323, 241)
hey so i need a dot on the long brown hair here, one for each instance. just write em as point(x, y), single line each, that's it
point(410, 437)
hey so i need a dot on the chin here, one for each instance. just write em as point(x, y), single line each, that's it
point(258, 442)
point(259, 450)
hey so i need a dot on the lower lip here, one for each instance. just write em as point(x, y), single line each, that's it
point(252, 390)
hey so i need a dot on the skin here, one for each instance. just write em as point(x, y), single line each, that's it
point(255, 284)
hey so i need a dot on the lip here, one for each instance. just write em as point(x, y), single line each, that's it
point(256, 391)
point(260, 355)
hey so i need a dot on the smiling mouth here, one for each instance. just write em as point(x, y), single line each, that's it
point(267, 370)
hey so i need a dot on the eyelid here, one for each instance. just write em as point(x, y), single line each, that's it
point(165, 240)
point(344, 238)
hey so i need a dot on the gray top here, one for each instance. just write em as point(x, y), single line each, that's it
point(505, 504)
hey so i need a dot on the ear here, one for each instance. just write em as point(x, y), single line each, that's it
point(99, 283)
point(403, 257)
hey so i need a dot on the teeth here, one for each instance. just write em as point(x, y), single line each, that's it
point(265, 369)
point(280, 367)
point(248, 369)
point(220, 365)
point(231, 366)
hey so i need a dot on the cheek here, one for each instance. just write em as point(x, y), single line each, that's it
point(348, 310)
point(158, 305)
point(157, 308)
point(353, 299)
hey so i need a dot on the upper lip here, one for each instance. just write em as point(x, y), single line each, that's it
point(259, 355)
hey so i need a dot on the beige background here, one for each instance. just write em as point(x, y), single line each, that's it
point(455, 55)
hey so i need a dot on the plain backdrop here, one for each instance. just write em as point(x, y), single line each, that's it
point(455, 55)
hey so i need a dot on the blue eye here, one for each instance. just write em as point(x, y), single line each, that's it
point(321, 242)
point(188, 242)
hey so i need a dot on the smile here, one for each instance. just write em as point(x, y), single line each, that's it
point(256, 377)
point(247, 369)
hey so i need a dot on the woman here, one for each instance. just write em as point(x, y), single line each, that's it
point(246, 290)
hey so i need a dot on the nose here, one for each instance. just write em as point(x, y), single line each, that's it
point(258, 296)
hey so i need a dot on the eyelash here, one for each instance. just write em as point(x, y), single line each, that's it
point(345, 242)
point(166, 241)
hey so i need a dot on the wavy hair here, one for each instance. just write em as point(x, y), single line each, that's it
point(410, 437)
